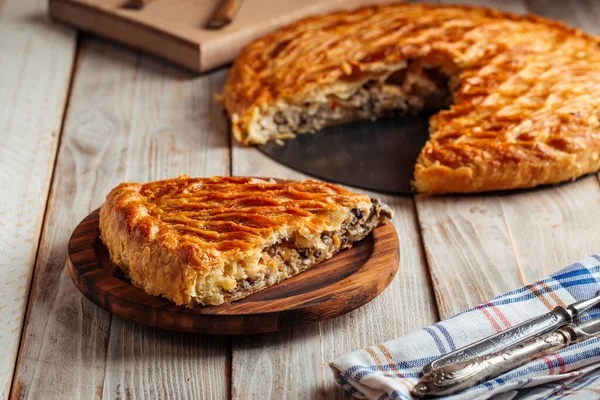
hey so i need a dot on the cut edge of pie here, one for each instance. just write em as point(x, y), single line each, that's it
point(213, 240)
point(407, 87)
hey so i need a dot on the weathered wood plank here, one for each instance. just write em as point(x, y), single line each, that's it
point(282, 364)
point(553, 227)
point(580, 13)
point(469, 250)
point(294, 363)
point(130, 118)
point(36, 59)
point(556, 226)
point(468, 245)
point(406, 305)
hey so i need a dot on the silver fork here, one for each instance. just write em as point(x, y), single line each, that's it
point(544, 323)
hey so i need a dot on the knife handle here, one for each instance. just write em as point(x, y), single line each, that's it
point(224, 14)
point(453, 378)
point(509, 337)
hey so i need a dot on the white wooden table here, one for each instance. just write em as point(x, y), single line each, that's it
point(78, 115)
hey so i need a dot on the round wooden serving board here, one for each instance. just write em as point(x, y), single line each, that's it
point(347, 281)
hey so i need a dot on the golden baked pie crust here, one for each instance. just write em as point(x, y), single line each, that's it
point(193, 240)
point(526, 90)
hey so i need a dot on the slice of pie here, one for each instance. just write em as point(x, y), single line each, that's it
point(211, 240)
point(523, 92)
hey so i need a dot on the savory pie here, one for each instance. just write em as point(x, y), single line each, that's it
point(211, 240)
point(522, 93)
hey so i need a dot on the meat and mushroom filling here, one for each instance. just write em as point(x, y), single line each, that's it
point(288, 259)
point(409, 90)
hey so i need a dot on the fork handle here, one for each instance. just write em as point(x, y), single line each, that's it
point(509, 337)
point(453, 378)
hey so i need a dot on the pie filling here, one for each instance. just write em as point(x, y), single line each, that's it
point(408, 90)
point(289, 256)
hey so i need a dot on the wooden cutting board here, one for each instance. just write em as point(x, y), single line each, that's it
point(174, 29)
point(341, 284)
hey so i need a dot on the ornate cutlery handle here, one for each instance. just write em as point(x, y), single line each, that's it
point(455, 377)
point(501, 340)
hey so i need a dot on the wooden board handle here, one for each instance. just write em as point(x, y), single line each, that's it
point(224, 14)
point(136, 4)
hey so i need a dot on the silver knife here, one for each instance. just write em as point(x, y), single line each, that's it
point(544, 323)
point(453, 378)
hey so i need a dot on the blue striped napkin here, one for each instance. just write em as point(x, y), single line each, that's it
point(390, 370)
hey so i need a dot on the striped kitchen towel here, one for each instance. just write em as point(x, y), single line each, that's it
point(390, 370)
